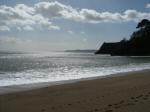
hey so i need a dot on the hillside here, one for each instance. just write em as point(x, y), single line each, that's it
point(137, 45)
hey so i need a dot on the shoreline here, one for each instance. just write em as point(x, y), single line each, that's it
point(33, 86)
point(124, 93)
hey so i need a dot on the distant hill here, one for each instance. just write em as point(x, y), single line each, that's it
point(137, 45)
point(81, 51)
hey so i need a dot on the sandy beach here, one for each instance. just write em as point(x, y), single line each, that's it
point(128, 92)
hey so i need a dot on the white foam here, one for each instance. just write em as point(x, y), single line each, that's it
point(46, 75)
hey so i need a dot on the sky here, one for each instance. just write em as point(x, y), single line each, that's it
point(55, 25)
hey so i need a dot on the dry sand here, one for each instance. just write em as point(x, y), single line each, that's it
point(125, 93)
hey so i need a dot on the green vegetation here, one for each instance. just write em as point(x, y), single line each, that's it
point(137, 45)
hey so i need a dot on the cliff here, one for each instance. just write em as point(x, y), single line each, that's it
point(108, 48)
point(137, 45)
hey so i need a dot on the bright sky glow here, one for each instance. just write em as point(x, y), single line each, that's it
point(48, 25)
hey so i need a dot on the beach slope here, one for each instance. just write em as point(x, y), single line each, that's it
point(129, 92)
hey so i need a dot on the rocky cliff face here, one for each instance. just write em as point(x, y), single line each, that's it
point(137, 45)
point(108, 48)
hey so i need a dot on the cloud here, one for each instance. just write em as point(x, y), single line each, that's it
point(84, 39)
point(41, 15)
point(4, 28)
point(49, 9)
point(92, 16)
point(9, 40)
point(133, 15)
point(82, 32)
point(14, 43)
point(54, 28)
point(148, 5)
point(56, 10)
point(70, 32)
point(23, 17)
point(28, 28)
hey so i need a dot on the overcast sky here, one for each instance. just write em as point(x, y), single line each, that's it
point(45, 25)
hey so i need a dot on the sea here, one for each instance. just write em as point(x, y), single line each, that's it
point(19, 68)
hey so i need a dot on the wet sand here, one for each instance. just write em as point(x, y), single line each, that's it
point(128, 92)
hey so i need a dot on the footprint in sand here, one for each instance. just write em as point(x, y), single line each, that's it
point(53, 108)
point(97, 97)
point(78, 102)
point(132, 98)
point(109, 111)
point(116, 107)
point(60, 106)
point(69, 104)
point(130, 104)
point(116, 104)
point(139, 96)
point(121, 102)
point(145, 98)
point(43, 110)
point(96, 110)
point(135, 100)
point(109, 105)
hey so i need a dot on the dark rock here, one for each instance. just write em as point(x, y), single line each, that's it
point(137, 45)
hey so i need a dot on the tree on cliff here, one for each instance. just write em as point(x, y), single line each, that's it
point(137, 45)
point(143, 24)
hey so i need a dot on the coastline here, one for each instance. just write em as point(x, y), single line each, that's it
point(122, 92)
point(33, 86)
